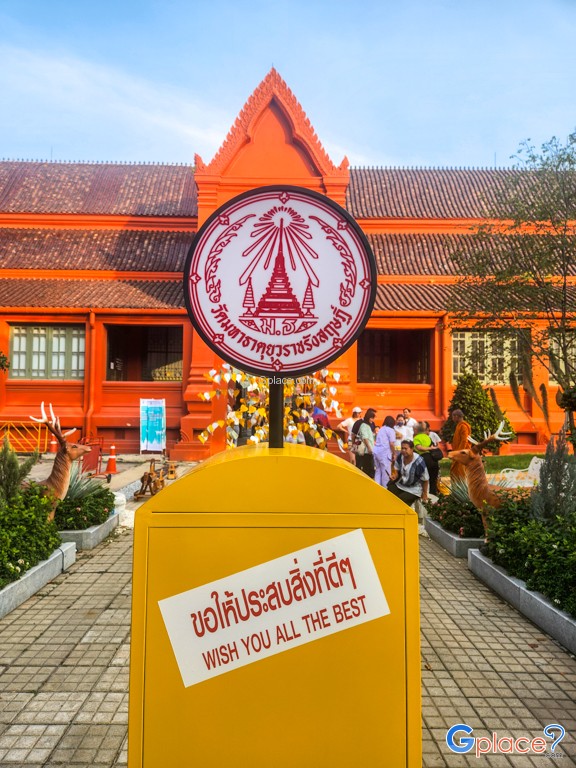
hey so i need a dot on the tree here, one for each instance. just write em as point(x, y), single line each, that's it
point(479, 410)
point(12, 471)
point(555, 495)
point(518, 273)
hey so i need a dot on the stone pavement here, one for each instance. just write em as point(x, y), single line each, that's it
point(64, 667)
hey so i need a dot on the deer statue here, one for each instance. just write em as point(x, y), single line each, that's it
point(482, 494)
point(57, 482)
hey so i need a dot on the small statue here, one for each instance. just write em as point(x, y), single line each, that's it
point(481, 493)
point(57, 482)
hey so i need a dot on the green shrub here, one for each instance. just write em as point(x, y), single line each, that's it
point(540, 551)
point(80, 513)
point(479, 411)
point(12, 471)
point(88, 502)
point(26, 536)
point(456, 513)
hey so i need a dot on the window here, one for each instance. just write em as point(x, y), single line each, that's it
point(489, 355)
point(47, 352)
point(139, 353)
point(557, 357)
point(395, 357)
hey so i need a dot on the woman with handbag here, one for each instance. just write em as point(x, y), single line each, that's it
point(424, 446)
point(364, 444)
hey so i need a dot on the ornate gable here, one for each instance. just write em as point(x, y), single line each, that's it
point(271, 142)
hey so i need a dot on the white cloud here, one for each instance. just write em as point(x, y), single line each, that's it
point(86, 111)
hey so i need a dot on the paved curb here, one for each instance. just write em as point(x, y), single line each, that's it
point(91, 537)
point(455, 545)
point(533, 605)
point(18, 592)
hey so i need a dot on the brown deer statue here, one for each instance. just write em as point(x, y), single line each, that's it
point(481, 493)
point(57, 482)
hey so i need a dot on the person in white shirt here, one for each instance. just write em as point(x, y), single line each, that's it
point(412, 477)
point(435, 437)
point(409, 421)
point(345, 428)
point(403, 432)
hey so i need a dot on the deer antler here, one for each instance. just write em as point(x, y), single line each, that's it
point(52, 424)
point(478, 445)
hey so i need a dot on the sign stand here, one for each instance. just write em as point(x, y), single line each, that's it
point(276, 414)
point(275, 610)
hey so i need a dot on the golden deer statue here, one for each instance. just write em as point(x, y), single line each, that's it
point(481, 493)
point(56, 484)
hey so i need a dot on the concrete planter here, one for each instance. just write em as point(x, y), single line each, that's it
point(35, 578)
point(91, 537)
point(533, 605)
point(455, 545)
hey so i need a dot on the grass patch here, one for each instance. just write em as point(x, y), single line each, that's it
point(495, 464)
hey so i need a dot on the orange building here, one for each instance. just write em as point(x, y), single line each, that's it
point(92, 256)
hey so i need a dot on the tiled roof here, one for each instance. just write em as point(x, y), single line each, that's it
point(97, 294)
point(419, 297)
point(170, 190)
point(431, 254)
point(165, 251)
point(424, 193)
point(439, 297)
point(416, 254)
point(120, 250)
point(97, 188)
point(168, 294)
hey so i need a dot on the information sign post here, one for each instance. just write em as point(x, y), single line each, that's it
point(275, 614)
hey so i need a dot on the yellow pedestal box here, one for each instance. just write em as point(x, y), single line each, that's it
point(275, 618)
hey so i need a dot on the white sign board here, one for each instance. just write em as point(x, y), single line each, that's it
point(152, 425)
point(273, 607)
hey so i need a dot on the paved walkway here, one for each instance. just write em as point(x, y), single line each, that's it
point(64, 667)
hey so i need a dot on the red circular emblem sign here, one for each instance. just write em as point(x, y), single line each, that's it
point(280, 281)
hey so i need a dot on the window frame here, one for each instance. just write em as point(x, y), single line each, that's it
point(118, 363)
point(51, 334)
point(491, 355)
point(554, 343)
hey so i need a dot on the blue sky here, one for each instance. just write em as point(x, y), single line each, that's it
point(386, 83)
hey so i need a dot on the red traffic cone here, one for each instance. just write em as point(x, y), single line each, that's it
point(111, 465)
point(53, 446)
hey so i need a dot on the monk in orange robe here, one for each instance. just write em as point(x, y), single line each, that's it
point(459, 442)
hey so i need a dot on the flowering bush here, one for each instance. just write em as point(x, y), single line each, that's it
point(26, 535)
point(457, 514)
point(74, 514)
point(88, 502)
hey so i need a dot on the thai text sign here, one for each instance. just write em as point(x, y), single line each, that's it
point(280, 280)
point(273, 607)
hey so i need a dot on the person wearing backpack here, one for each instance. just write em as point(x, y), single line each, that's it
point(363, 442)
